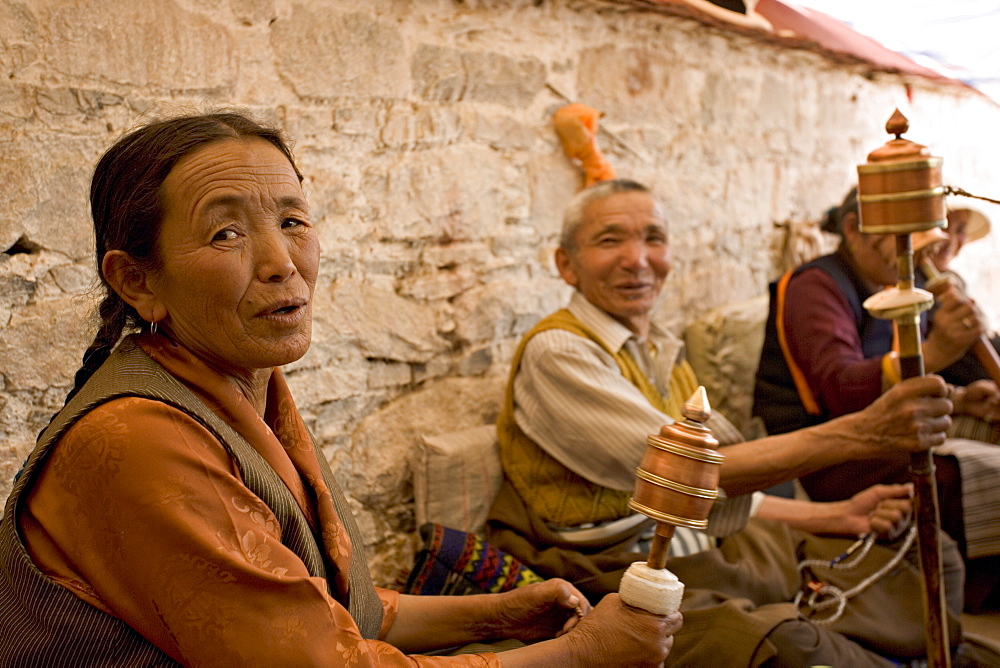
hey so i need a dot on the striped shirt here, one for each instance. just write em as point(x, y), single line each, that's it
point(571, 399)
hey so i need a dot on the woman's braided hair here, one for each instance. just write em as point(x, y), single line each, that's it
point(127, 209)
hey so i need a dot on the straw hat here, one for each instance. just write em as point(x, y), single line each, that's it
point(977, 225)
point(934, 236)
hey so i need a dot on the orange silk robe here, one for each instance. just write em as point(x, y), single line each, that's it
point(141, 513)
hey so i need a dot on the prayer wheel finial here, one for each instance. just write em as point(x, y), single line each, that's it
point(897, 124)
point(696, 408)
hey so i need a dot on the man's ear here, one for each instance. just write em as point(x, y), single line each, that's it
point(564, 263)
point(132, 283)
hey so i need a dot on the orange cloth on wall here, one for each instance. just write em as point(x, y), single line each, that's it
point(576, 125)
point(141, 512)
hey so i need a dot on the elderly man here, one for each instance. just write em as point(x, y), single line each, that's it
point(588, 384)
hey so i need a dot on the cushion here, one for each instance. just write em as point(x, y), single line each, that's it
point(723, 347)
point(456, 476)
point(453, 562)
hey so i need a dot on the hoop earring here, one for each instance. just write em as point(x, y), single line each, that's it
point(152, 327)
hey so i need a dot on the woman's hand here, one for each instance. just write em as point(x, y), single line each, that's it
point(980, 399)
point(615, 634)
point(539, 611)
point(612, 634)
point(958, 323)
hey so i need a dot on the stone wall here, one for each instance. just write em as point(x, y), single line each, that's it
point(436, 183)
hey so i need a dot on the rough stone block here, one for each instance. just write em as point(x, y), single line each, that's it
point(438, 73)
point(554, 180)
point(435, 368)
point(44, 199)
point(362, 121)
point(334, 379)
point(500, 79)
point(389, 374)
point(18, 196)
point(629, 81)
point(505, 132)
point(32, 361)
point(181, 50)
point(325, 53)
point(476, 363)
point(500, 309)
point(421, 128)
point(381, 323)
point(457, 255)
point(446, 194)
point(252, 12)
point(447, 75)
point(439, 285)
point(386, 441)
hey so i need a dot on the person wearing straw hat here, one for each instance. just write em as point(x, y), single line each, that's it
point(965, 225)
point(934, 272)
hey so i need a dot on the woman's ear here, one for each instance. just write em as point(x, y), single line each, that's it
point(850, 227)
point(132, 283)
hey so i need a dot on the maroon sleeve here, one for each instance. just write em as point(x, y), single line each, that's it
point(824, 341)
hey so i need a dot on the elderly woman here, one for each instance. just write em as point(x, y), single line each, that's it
point(825, 356)
point(176, 509)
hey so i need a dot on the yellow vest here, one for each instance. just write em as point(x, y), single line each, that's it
point(553, 492)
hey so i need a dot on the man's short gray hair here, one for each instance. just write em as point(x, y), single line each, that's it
point(576, 211)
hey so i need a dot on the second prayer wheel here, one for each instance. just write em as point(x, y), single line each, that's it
point(900, 189)
point(677, 480)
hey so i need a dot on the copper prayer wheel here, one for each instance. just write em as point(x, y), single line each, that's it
point(900, 189)
point(677, 480)
point(900, 193)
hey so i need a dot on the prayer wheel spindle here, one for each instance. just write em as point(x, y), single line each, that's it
point(900, 192)
point(676, 484)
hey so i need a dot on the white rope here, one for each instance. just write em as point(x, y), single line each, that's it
point(828, 595)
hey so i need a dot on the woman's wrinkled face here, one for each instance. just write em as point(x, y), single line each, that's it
point(238, 257)
point(876, 258)
point(874, 254)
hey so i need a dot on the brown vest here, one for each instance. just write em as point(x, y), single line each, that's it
point(549, 489)
point(44, 624)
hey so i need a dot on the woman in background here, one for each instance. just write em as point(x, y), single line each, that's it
point(825, 356)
